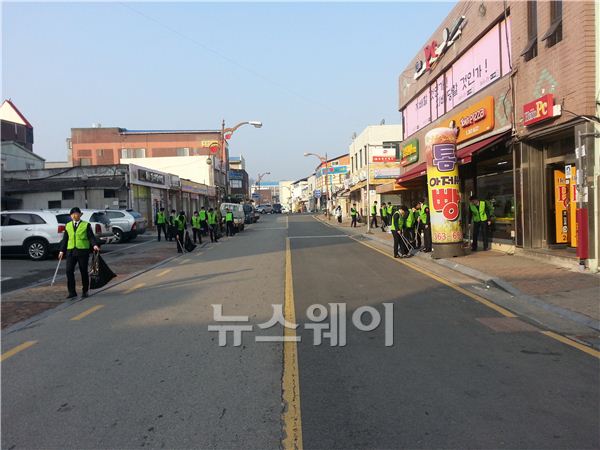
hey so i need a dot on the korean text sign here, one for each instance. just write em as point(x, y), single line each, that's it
point(443, 186)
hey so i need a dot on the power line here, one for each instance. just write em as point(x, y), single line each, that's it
point(230, 60)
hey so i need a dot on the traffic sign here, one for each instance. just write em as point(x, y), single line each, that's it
point(318, 193)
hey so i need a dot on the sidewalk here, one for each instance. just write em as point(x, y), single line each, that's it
point(542, 288)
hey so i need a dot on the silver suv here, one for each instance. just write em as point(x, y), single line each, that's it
point(126, 224)
point(36, 233)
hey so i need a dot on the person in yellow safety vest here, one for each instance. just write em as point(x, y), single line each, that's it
point(390, 211)
point(203, 221)
point(211, 218)
point(425, 225)
point(397, 224)
point(374, 215)
point(76, 242)
point(196, 227)
point(171, 225)
point(161, 223)
point(180, 226)
point(353, 215)
point(229, 223)
point(383, 214)
point(481, 222)
point(409, 229)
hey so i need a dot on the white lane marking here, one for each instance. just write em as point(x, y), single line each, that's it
point(317, 237)
point(5, 279)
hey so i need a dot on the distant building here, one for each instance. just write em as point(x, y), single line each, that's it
point(15, 127)
point(159, 149)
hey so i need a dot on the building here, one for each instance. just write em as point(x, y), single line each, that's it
point(118, 186)
point(373, 151)
point(329, 181)
point(14, 126)
point(265, 192)
point(519, 82)
point(300, 195)
point(191, 154)
point(285, 194)
point(239, 185)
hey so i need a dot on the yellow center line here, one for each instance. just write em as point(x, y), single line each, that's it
point(163, 273)
point(17, 349)
point(477, 298)
point(137, 286)
point(183, 261)
point(572, 343)
point(87, 312)
point(292, 420)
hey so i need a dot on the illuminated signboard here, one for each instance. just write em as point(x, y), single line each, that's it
point(475, 120)
point(538, 110)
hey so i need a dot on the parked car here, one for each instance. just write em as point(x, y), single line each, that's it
point(285, 210)
point(238, 214)
point(97, 218)
point(250, 214)
point(126, 224)
point(265, 209)
point(35, 233)
point(277, 208)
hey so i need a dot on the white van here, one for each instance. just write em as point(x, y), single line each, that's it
point(238, 214)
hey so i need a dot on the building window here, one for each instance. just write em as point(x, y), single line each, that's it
point(530, 50)
point(554, 34)
point(133, 153)
point(110, 193)
point(54, 204)
point(68, 195)
point(183, 151)
point(236, 184)
point(99, 153)
point(85, 162)
point(366, 155)
point(360, 157)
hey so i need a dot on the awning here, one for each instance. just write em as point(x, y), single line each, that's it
point(418, 171)
point(465, 154)
point(358, 186)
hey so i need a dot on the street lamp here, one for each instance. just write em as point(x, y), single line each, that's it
point(260, 177)
point(225, 135)
point(323, 159)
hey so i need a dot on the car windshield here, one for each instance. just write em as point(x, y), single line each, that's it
point(63, 218)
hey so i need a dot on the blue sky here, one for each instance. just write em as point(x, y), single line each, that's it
point(313, 73)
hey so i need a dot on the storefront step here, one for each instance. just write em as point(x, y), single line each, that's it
point(559, 258)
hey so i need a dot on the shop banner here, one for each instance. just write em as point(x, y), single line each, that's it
point(475, 120)
point(572, 186)
point(410, 153)
point(443, 186)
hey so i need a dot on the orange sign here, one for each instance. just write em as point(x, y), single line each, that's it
point(475, 120)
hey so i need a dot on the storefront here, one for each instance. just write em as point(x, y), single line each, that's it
point(149, 190)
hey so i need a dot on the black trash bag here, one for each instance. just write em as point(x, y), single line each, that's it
point(100, 273)
point(189, 245)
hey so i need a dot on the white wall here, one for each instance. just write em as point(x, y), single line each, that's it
point(372, 135)
point(192, 168)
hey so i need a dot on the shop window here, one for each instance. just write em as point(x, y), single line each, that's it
point(110, 193)
point(54, 204)
point(183, 151)
point(495, 185)
point(68, 195)
point(530, 50)
point(554, 34)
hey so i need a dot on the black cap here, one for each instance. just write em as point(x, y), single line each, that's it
point(75, 210)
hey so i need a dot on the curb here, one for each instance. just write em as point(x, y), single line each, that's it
point(499, 283)
point(506, 287)
point(26, 323)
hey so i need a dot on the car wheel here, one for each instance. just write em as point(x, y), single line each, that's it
point(118, 235)
point(37, 249)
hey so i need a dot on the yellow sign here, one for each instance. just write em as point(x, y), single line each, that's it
point(561, 201)
point(475, 120)
point(208, 144)
point(572, 186)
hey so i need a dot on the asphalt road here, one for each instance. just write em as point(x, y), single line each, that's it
point(19, 271)
point(139, 367)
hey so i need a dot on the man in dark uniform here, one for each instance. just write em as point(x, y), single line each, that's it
point(76, 243)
